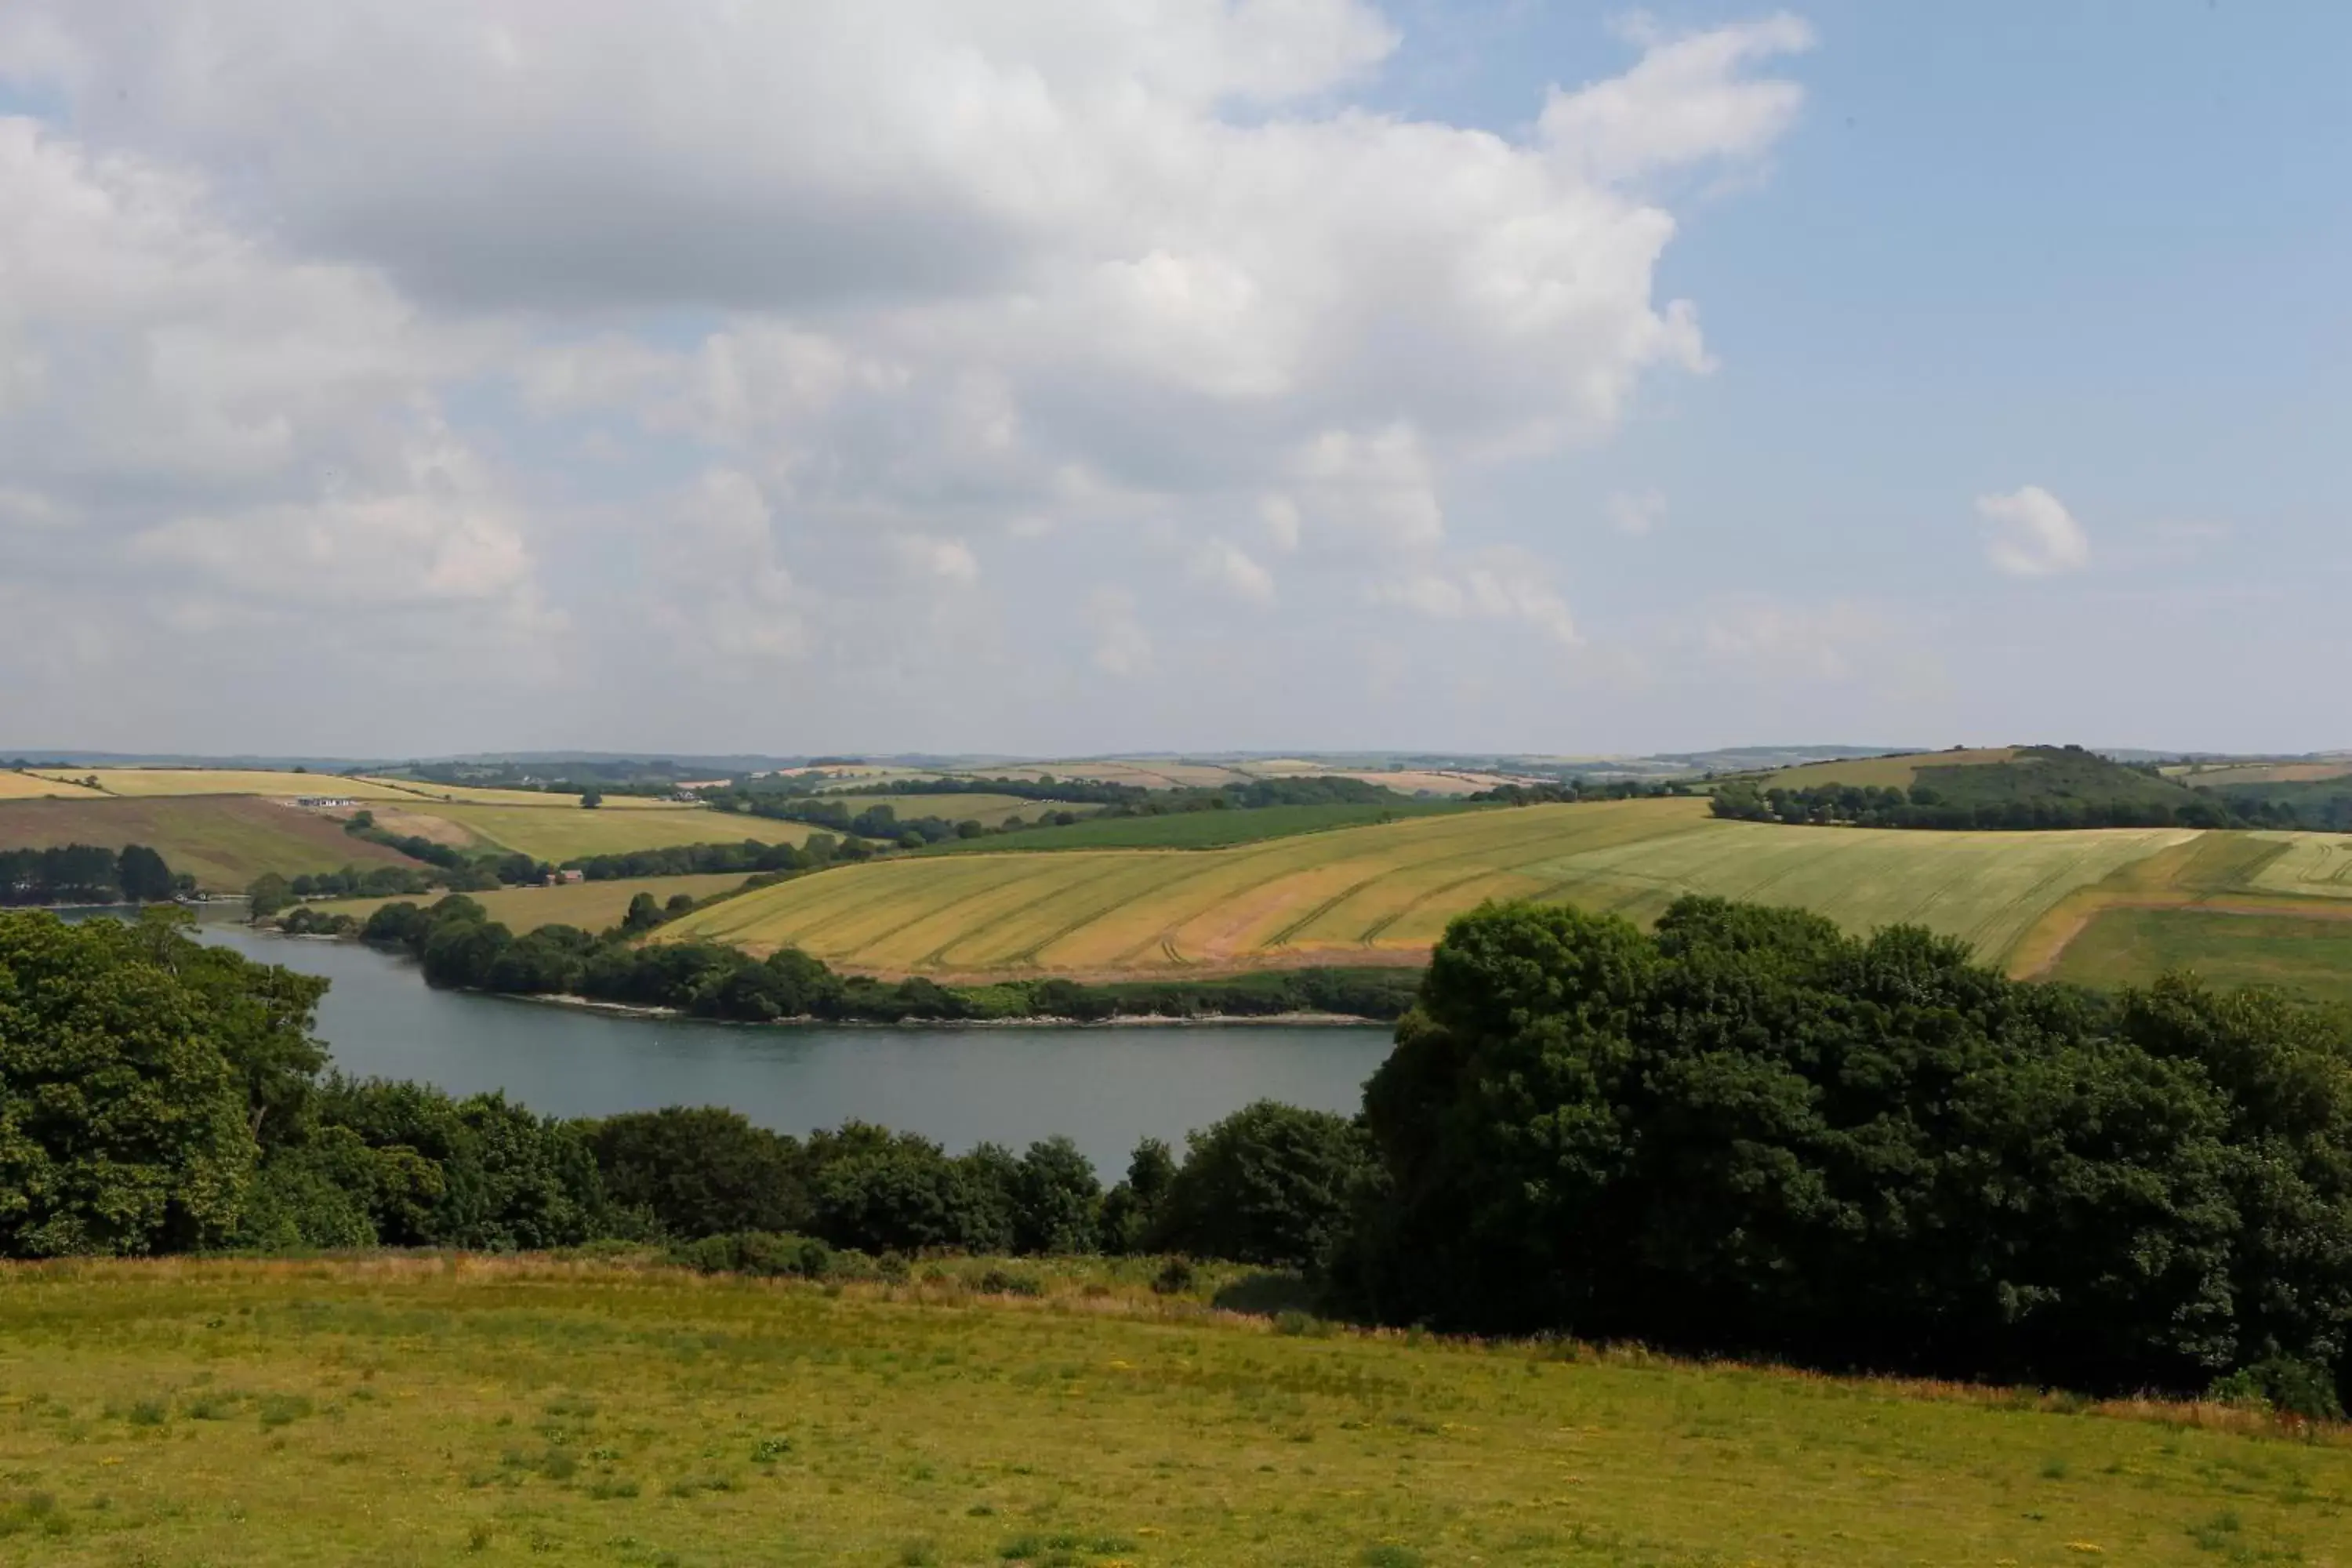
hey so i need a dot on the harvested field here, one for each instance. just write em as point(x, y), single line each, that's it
point(143, 783)
point(2263, 773)
point(422, 1409)
point(477, 794)
point(42, 786)
point(225, 841)
point(2313, 865)
point(560, 834)
point(591, 906)
point(1366, 894)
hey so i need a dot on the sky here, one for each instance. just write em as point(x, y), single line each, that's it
point(407, 377)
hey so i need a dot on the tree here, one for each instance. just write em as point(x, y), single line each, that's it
point(644, 914)
point(701, 1171)
point(1131, 1211)
point(122, 1127)
point(145, 878)
point(1270, 1184)
point(1056, 1200)
point(590, 798)
point(269, 893)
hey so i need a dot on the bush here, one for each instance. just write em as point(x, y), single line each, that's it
point(764, 1255)
point(701, 1171)
point(1004, 1282)
point(1176, 1276)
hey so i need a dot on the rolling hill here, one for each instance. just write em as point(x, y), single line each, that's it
point(225, 841)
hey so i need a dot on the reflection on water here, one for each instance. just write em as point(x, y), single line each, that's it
point(1105, 1088)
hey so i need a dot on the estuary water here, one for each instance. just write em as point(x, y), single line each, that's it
point(1105, 1088)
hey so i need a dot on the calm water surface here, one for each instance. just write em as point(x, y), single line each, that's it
point(1105, 1088)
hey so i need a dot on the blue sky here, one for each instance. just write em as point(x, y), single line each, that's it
point(919, 376)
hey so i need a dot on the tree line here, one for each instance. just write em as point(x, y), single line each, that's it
point(1924, 806)
point(458, 946)
point(1743, 1133)
point(89, 874)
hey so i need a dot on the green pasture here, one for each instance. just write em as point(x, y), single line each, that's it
point(2133, 946)
point(422, 1410)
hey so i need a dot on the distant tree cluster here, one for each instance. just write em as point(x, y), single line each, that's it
point(88, 874)
point(2046, 787)
point(1570, 790)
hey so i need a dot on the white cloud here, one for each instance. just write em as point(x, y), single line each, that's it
point(941, 560)
point(1500, 586)
point(1229, 569)
point(1635, 512)
point(893, 277)
point(2029, 532)
point(1121, 645)
point(1768, 638)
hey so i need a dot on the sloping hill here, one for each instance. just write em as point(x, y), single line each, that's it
point(225, 841)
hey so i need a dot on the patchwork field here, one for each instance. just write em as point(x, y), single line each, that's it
point(424, 1410)
point(1196, 829)
point(482, 795)
point(1887, 773)
point(1385, 892)
point(988, 810)
point(591, 906)
point(225, 841)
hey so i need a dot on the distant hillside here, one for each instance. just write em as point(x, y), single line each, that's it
point(2023, 787)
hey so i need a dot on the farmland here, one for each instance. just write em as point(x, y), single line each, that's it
point(40, 786)
point(1385, 892)
point(1884, 773)
point(2125, 946)
point(420, 1409)
point(140, 783)
point(1199, 829)
point(560, 832)
point(225, 841)
point(591, 906)
point(988, 810)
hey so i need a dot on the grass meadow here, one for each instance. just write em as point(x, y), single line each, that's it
point(1385, 892)
point(225, 841)
point(591, 906)
point(414, 1410)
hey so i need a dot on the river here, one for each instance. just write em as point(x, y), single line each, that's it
point(1105, 1088)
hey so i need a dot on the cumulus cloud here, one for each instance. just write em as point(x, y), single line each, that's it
point(2029, 532)
point(302, 301)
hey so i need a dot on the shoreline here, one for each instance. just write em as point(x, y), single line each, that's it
point(806, 1021)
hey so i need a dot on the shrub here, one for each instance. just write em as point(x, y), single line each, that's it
point(760, 1254)
point(1270, 1184)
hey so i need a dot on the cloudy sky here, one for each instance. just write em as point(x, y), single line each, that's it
point(393, 376)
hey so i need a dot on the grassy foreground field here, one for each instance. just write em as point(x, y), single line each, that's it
point(425, 1410)
point(591, 906)
point(1368, 894)
point(225, 841)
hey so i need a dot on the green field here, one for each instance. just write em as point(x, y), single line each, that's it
point(560, 833)
point(414, 1410)
point(591, 906)
point(1887, 773)
point(225, 841)
point(1200, 829)
point(1368, 894)
point(2131, 946)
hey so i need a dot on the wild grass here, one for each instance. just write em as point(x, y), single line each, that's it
point(420, 1409)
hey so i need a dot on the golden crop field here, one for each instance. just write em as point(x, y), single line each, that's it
point(423, 1409)
point(223, 841)
point(478, 794)
point(2314, 865)
point(42, 786)
point(1887, 773)
point(591, 906)
point(138, 783)
point(1366, 894)
point(564, 833)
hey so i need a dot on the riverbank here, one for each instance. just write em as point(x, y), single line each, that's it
point(1310, 1020)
